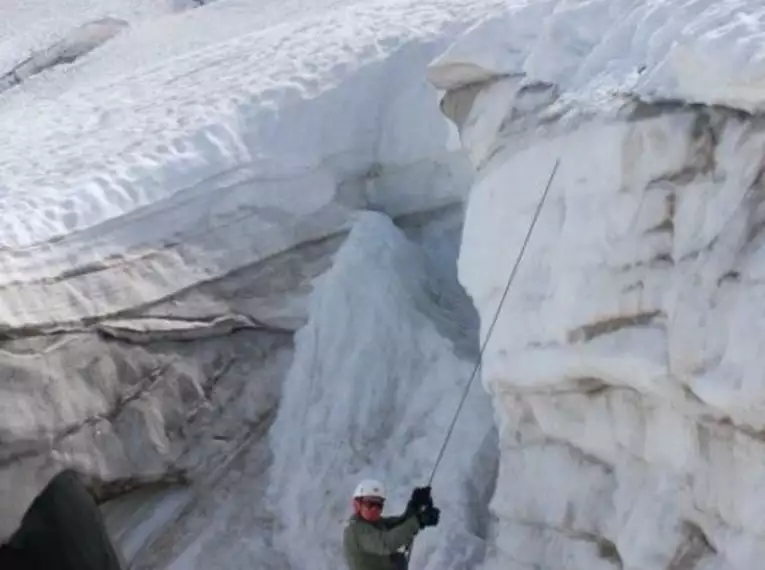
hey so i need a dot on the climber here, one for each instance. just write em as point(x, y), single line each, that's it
point(63, 529)
point(373, 542)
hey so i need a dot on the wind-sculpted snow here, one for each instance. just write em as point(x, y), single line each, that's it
point(149, 185)
point(78, 43)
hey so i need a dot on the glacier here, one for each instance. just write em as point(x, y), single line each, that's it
point(250, 253)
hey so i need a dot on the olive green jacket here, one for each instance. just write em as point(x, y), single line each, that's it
point(374, 545)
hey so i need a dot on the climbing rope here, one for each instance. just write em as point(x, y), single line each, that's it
point(490, 330)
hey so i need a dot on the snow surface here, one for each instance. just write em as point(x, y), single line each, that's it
point(33, 24)
point(241, 149)
point(76, 44)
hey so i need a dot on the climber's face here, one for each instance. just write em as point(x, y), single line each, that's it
point(369, 508)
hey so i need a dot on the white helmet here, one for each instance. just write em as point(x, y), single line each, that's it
point(369, 488)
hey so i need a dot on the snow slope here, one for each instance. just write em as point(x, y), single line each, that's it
point(626, 366)
point(32, 24)
point(206, 142)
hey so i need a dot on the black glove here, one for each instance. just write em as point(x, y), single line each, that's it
point(420, 498)
point(429, 516)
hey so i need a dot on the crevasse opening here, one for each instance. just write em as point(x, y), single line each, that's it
point(237, 277)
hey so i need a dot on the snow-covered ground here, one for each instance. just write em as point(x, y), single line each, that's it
point(181, 303)
point(140, 185)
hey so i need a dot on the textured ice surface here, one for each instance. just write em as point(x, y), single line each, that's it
point(626, 366)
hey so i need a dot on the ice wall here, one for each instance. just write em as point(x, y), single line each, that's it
point(626, 364)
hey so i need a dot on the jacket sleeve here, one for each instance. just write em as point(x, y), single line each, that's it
point(385, 541)
point(390, 522)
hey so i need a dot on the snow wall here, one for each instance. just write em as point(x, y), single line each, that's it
point(626, 366)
